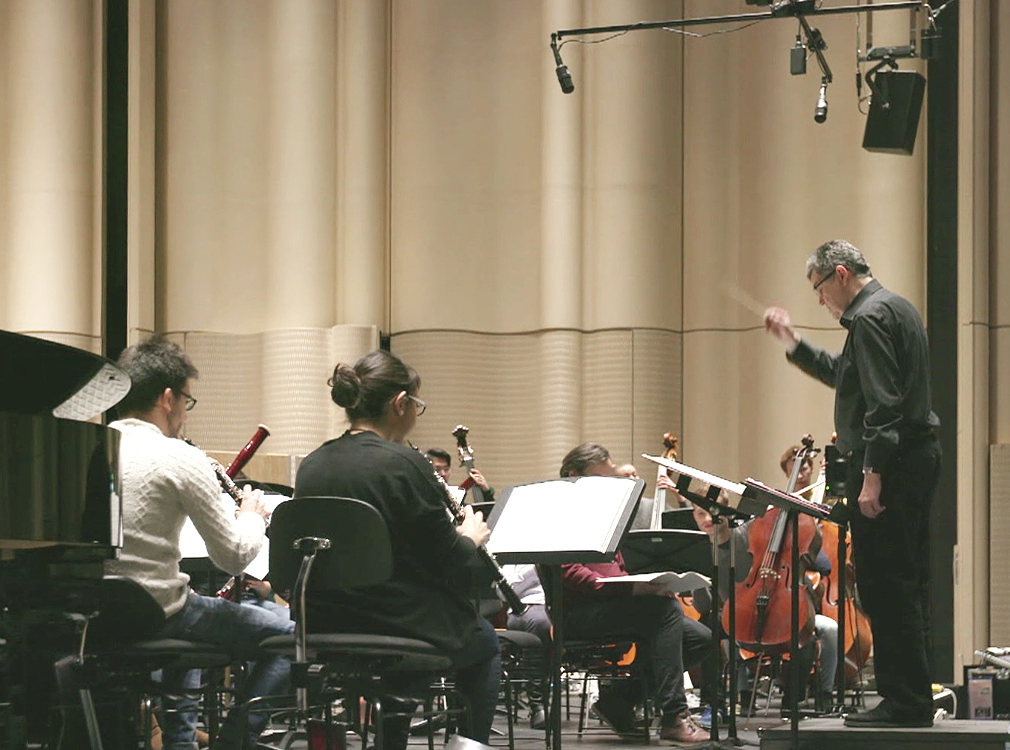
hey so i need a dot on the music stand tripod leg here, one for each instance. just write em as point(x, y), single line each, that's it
point(843, 530)
point(711, 504)
point(794, 638)
point(731, 732)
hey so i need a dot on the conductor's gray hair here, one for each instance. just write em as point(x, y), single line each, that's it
point(837, 253)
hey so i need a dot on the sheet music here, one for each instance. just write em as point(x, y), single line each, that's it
point(667, 581)
point(567, 515)
point(191, 544)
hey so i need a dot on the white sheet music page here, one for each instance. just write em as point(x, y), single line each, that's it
point(561, 515)
point(667, 582)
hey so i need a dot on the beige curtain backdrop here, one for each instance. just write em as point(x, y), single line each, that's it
point(308, 173)
point(50, 169)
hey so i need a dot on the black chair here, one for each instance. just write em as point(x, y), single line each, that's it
point(323, 544)
point(118, 651)
point(598, 658)
point(524, 662)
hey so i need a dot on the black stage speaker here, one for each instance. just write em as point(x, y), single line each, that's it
point(894, 112)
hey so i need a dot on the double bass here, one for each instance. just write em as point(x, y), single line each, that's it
point(659, 500)
point(659, 507)
point(764, 597)
point(466, 461)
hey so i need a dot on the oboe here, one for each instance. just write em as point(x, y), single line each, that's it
point(457, 514)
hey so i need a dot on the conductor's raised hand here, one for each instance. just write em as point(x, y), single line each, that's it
point(780, 325)
point(473, 526)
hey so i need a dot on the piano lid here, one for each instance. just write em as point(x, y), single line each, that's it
point(43, 377)
point(59, 473)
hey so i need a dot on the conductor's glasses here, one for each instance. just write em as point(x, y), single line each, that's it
point(817, 286)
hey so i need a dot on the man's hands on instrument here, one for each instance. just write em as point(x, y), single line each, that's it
point(780, 325)
point(869, 496)
point(473, 526)
point(479, 479)
point(663, 482)
point(252, 502)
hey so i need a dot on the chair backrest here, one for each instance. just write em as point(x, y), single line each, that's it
point(360, 552)
point(126, 612)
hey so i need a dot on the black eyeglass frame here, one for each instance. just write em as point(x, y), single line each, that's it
point(190, 401)
point(817, 286)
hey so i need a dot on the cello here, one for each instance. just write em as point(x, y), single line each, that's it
point(858, 638)
point(764, 597)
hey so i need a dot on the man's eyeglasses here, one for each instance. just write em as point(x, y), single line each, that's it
point(190, 401)
point(419, 405)
point(818, 284)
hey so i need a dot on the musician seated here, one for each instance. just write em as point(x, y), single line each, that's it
point(165, 480)
point(442, 462)
point(825, 629)
point(643, 516)
point(425, 598)
point(664, 638)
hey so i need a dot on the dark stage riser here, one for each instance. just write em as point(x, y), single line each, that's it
point(950, 734)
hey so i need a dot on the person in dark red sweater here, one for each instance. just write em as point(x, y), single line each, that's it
point(664, 638)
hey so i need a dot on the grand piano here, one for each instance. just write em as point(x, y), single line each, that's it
point(59, 475)
point(60, 505)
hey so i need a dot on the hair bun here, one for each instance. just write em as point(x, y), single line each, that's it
point(345, 386)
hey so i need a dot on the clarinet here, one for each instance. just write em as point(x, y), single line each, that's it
point(457, 514)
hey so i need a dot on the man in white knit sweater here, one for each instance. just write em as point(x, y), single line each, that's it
point(164, 481)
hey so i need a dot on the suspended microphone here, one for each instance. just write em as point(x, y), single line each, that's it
point(564, 77)
point(821, 110)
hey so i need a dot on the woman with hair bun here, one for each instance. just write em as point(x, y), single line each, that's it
point(425, 597)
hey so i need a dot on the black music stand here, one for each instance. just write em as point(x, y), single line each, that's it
point(520, 518)
point(679, 550)
point(745, 509)
point(793, 505)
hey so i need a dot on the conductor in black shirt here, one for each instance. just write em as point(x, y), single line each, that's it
point(886, 427)
point(423, 599)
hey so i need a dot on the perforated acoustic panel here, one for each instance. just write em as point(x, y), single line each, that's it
point(277, 378)
point(529, 398)
point(999, 550)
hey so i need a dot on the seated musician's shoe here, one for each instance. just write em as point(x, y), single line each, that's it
point(683, 730)
point(537, 718)
point(887, 715)
point(704, 719)
point(618, 715)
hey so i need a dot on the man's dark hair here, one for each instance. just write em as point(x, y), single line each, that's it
point(439, 453)
point(582, 458)
point(153, 365)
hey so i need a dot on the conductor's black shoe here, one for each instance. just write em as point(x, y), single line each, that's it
point(617, 714)
point(885, 715)
point(537, 718)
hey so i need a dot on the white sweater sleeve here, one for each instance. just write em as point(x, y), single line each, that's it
point(232, 542)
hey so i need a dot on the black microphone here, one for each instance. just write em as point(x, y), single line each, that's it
point(564, 77)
